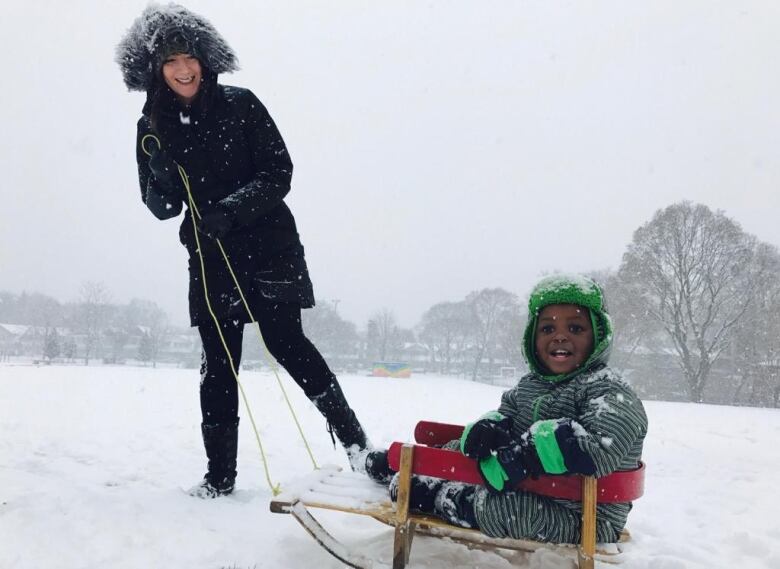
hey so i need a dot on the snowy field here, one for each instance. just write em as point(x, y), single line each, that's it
point(94, 463)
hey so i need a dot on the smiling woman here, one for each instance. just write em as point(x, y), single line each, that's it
point(238, 172)
point(182, 74)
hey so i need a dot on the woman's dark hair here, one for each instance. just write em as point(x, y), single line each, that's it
point(155, 103)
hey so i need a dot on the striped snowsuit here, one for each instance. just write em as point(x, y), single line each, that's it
point(616, 424)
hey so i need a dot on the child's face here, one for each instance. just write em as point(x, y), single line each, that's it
point(564, 337)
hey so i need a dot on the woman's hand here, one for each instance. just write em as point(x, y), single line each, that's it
point(165, 171)
point(216, 222)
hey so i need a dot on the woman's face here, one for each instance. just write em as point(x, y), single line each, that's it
point(182, 74)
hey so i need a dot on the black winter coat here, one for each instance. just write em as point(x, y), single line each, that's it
point(234, 156)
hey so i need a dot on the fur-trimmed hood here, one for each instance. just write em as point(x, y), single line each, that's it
point(157, 31)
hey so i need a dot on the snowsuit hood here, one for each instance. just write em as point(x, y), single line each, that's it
point(569, 289)
point(162, 30)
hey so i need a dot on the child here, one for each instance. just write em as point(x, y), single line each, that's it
point(570, 414)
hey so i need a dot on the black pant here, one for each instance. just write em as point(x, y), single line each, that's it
point(282, 332)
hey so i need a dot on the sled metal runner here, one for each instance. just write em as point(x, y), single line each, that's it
point(332, 489)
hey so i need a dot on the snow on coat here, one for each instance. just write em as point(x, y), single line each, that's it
point(614, 425)
point(610, 424)
point(236, 159)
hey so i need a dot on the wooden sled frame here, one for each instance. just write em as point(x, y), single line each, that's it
point(410, 459)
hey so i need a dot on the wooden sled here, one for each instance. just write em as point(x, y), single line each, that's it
point(332, 489)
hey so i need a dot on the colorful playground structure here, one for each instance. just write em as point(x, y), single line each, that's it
point(391, 369)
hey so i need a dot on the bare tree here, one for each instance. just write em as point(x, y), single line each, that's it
point(756, 348)
point(632, 323)
point(69, 349)
point(446, 327)
point(509, 337)
point(146, 348)
point(117, 333)
point(92, 312)
point(693, 268)
point(332, 334)
point(494, 309)
point(153, 320)
point(33, 309)
point(383, 334)
point(51, 344)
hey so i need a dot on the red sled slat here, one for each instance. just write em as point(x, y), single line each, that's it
point(441, 463)
point(623, 486)
point(436, 434)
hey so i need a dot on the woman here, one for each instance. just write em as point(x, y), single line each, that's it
point(239, 172)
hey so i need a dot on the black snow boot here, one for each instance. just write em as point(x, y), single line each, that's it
point(221, 442)
point(454, 504)
point(344, 424)
point(422, 492)
point(377, 467)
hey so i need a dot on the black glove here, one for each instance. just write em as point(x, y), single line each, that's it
point(165, 171)
point(551, 446)
point(520, 460)
point(216, 222)
point(511, 464)
point(482, 438)
point(564, 433)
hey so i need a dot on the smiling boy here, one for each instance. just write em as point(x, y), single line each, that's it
point(570, 414)
point(564, 337)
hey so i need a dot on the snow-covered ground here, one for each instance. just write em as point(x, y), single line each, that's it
point(94, 463)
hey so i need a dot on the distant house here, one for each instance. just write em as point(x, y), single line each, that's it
point(115, 344)
point(417, 354)
point(8, 331)
point(16, 339)
point(178, 344)
point(9, 335)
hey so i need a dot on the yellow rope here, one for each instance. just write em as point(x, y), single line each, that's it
point(275, 489)
point(269, 358)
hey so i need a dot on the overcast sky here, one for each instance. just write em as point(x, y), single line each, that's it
point(439, 147)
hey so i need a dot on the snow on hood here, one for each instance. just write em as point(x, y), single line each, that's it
point(163, 29)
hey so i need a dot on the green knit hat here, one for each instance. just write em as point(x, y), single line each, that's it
point(569, 289)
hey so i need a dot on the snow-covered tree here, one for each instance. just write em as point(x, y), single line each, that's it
point(91, 315)
point(446, 327)
point(51, 344)
point(633, 326)
point(146, 348)
point(495, 312)
point(329, 331)
point(694, 271)
point(153, 320)
point(756, 350)
point(383, 335)
point(69, 349)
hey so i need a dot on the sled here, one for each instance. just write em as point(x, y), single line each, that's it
point(332, 489)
